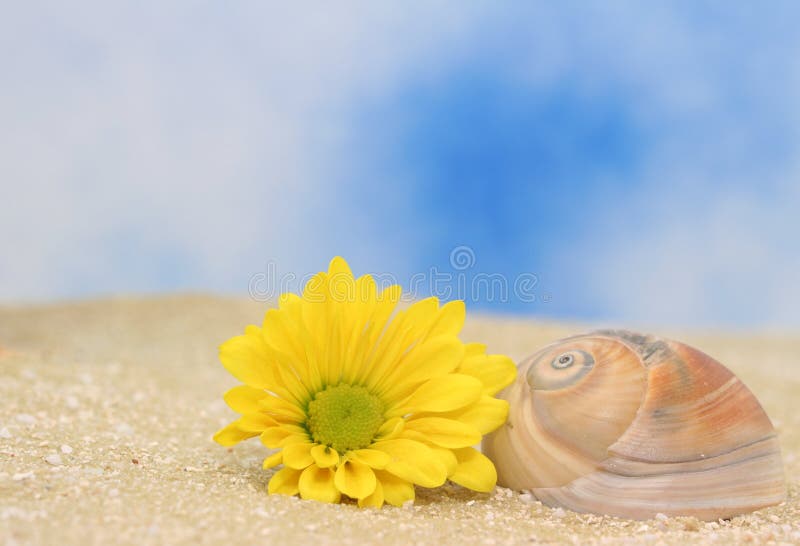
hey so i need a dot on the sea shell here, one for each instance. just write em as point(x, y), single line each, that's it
point(618, 423)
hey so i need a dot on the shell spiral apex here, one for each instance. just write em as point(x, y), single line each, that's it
point(629, 425)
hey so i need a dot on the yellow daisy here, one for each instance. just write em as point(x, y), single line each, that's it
point(360, 404)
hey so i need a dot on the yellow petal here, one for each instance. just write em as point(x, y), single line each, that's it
point(391, 428)
point(450, 319)
point(324, 456)
point(445, 432)
point(370, 457)
point(389, 350)
point(475, 471)
point(426, 360)
point(420, 316)
point(355, 479)
point(366, 292)
point(496, 372)
point(281, 409)
point(343, 307)
point(396, 491)
point(385, 304)
point(256, 422)
point(407, 328)
point(377, 316)
point(474, 349)
point(313, 354)
point(279, 334)
point(232, 435)
point(284, 482)
point(317, 483)
point(298, 455)
point(357, 352)
point(341, 283)
point(339, 266)
point(413, 462)
point(273, 460)
point(287, 334)
point(244, 399)
point(293, 384)
point(274, 437)
point(375, 500)
point(357, 329)
point(245, 357)
point(295, 438)
point(315, 289)
point(485, 415)
point(443, 393)
point(292, 304)
point(334, 344)
point(316, 321)
point(447, 457)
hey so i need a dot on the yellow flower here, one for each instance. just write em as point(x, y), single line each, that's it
point(360, 404)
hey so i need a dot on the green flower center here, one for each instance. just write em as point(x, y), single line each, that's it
point(345, 417)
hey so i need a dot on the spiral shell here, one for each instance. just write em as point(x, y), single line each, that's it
point(618, 423)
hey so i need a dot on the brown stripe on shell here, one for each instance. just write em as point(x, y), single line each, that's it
point(653, 350)
point(630, 467)
point(694, 408)
point(711, 494)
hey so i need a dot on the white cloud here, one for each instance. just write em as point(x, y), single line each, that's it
point(701, 258)
point(709, 234)
point(136, 135)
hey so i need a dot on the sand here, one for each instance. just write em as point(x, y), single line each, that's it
point(108, 408)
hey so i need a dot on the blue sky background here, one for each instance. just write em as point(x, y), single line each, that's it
point(640, 159)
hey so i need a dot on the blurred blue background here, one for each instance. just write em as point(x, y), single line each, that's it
point(639, 159)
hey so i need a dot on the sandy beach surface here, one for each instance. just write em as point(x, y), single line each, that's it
point(108, 408)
